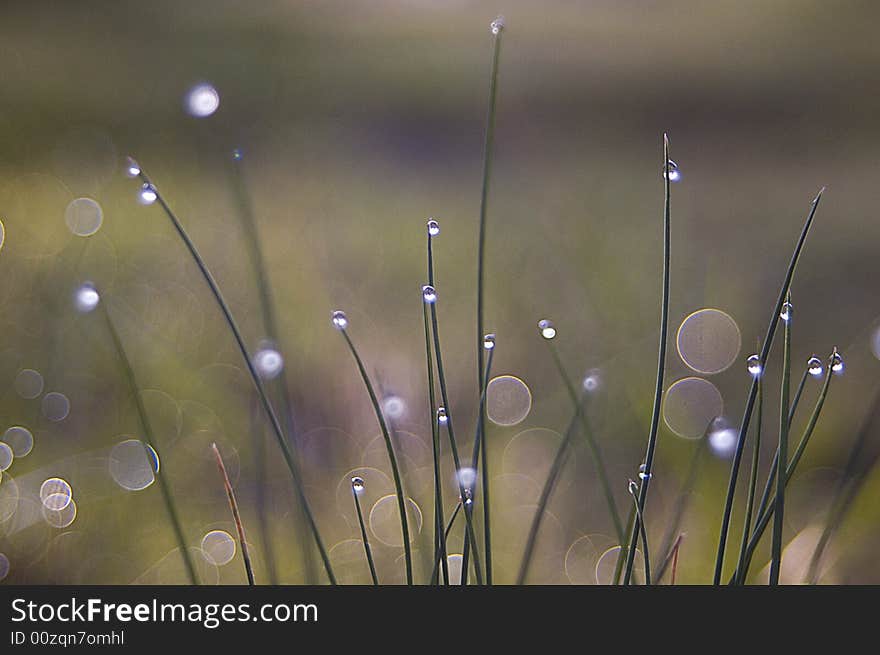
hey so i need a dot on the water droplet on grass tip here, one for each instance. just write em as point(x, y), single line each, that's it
point(754, 366)
point(429, 294)
point(358, 484)
point(546, 328)
point(674, 172)
point(489, 341)
point(147, 195)
point(268, 362)
point(340, 322)
point(786, 312)
point(642, 474)
point(467, 477)
point(814, 366)
point(132, 168)
point(836, 362)
point(442, 418)
point(497, 25)
point(433, 227)
point(86, 298)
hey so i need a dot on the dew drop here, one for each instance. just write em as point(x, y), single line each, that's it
point(546, 328)
point(674, 172)
point(433, 227)
point(467, 477)
point(147, 195)
point(836, 362)
point(358, 485)
point(722, 440)
point(489, 341)
point(429, 294)
point(496, 26)
point(340, 321)
point(786, 312)
point(268, 362)
point(592, 380)
point(237, 154)
point(86, 298)
point(814, 366)
point(754, 366)
point(643, 475)
point(132, 168)
point(442, 418)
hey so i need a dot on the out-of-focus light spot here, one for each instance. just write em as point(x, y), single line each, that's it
point(394, 407)
point(385, 520)
point(55, 493)
point(9, 496)
point(607, 565)
point(86, 298)
point(56, 406)
point(689, 406)
point(708, 341)
point(84, 217)
point(20, 439)
point(508, 400)
point(219, 547)
point(61, 518)
point(202, 100)
point(133, 464)
point(28, 383)
point(6, 456)
point(722, 441)
point(268, 362)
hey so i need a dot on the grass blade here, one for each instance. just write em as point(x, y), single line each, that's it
point(750, 402)
point(753, 478)
point(236, 516)
point(633, 491)
point(392, 458)
point(150, 440)
point(661, 366)
point(286, 452)
point(784, 399)
point(446, 535)
point(495, 29)
point(357, 485)
point(763, 519)
point(591, 442)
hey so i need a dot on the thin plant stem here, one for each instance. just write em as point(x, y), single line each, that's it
point(661, 367)
point(598, 460)
point(784, 400)
point(392, 458)
point(446, 535)
point(633, 487)
point(549, 485)
point(260, 464)
point(855, 473)
point(479, 449)
point(753, 477)
point(763, 519)
point(453, 445)
point(675, 550)
point(286, 452)
point(270, 324)
point(236, 515)
point(439, 536)
point(367, 551)
point(750, 402)
point(624, 548)
point(150, 442)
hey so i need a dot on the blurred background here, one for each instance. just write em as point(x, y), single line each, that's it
point(353, 122)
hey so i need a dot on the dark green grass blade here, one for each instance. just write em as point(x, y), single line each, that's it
point(392, 458)
point(286, 452)
point(750, 402)
point(236, 515)
point(661, 367)
point(763, 519)
point(150, 440)
point(856, 472)
point(624, 548)
point(784, 400)
point(439, 536)
point(367, 550)
point(633, 491)
point(598, 460)
point(446, 535)
point(753, 478)
point(549, 484)
point(444, 395)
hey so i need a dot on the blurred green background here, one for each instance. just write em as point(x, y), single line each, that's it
point(357, 121)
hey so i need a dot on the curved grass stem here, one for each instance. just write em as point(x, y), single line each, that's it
point(367, 550)
point(236, 515)
point(286, 452)
point(633, 491)
point(784, 399)
point(750, 402)
point(392, 458)
point(150, 441)
point(661, 367)
point(753, 478)
point(446, 535)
